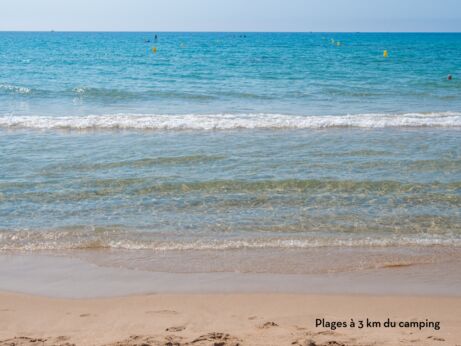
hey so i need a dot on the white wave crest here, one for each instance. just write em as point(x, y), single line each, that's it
point(230, 121)
point(15, 89)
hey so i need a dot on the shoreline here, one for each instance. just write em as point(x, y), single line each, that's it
point(66, 276)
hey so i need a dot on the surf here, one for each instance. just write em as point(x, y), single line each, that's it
point(208, 122)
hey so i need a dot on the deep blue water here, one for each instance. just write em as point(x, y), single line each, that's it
point(97, 73)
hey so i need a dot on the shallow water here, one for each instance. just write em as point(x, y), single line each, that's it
point(227, 142)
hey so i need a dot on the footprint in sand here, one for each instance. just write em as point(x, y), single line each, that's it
point(26, 341)
point(300, 328)
point(136, 340)
point(326, 332)
point(410, 341)
point(217, 339)
point(333, 343)
point(268, 325)
point(304, 343)
point(173, 341)
point(175, 329)
point(310, 342)
point(435, 338)
point(85, 315)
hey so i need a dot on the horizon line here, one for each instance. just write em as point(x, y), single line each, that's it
point(233, 31)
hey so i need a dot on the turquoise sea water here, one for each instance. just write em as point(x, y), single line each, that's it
point(229, 140)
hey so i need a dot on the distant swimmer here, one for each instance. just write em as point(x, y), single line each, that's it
point(146, 41)
point(156, 37)
point(450, 77)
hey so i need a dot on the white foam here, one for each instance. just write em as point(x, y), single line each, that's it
point(15, 89)
point(79, 90)
point(66, 240)
point(230, 121)
point(287, 243)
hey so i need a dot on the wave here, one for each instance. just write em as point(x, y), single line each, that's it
point(124, 240)
point(230, 121)
point(14, 89)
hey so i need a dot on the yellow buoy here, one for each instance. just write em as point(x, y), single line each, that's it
point(338, 43)
point(154, 50)
point(385, 54)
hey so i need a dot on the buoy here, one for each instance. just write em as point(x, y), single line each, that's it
point(385, 54)
point(154, 50)
point(332, 41)
point(338, 43)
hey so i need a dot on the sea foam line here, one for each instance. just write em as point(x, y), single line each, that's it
point(70, 244)
point(67, 240)
point(230, 121)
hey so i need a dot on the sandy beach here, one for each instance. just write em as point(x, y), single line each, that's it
point(69, 301)
point(231, 319)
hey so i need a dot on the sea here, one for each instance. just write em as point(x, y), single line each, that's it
point(252, 152)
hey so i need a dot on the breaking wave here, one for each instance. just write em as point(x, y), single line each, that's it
point(230, 121)
point(14, 89)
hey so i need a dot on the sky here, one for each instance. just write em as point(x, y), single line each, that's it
point(230, 15)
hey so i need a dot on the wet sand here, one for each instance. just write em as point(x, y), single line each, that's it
point(74, 277)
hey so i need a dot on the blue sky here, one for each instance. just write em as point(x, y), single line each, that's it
point(231, 15)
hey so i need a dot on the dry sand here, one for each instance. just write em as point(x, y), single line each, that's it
point(224, 319)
